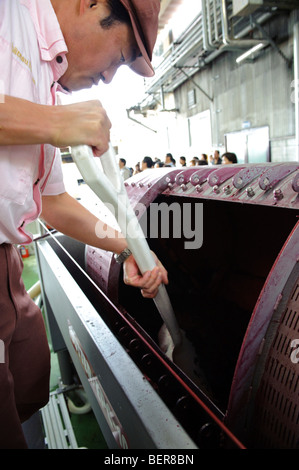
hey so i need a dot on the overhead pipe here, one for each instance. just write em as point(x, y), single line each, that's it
point(234, 43)
point(206, 32)
point(227, 41)
point(162, 97)
point(243, 33)
point(209, 20)
point(186, 44)
point(215, 21)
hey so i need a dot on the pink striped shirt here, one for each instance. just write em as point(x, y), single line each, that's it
point(32, 59)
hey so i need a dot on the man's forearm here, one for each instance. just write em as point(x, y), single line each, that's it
point(24, 123)
point(68, 216)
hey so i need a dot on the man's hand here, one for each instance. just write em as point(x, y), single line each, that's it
point(88, 124)
point(25, 123)
point(149, 281)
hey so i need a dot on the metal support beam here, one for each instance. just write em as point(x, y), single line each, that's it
point(272, 43)
point(196, 84)
point(138, 122)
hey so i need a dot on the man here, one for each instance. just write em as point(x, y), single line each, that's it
point(216, 159)
point(183, 161)
point(147, 163)
point(124, 170)
point(49, 46)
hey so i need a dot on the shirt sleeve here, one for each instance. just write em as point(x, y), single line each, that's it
point(55, 184)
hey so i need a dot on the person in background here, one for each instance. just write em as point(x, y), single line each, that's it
point(216, 159)
point(137, 168)
point(146, 163)
point(169, 160)
point(229, 157)
point(183, 161)
point(124, 170)
point(49, 46)
point(204, 158)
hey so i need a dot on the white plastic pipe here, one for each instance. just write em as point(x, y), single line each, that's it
point(109, 187)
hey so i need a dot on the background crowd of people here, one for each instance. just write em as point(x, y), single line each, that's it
point(169, 161)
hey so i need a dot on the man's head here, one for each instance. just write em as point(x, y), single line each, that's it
point(147, 162)
point(101, 35)
point(144, 20)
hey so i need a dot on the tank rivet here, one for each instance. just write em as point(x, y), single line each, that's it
point(277, 193)
point(250, 192)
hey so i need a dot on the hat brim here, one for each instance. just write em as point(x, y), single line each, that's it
point(142, 64)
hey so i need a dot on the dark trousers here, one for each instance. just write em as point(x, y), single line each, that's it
point(24, 374)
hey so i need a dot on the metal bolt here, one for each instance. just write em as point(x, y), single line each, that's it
point(277, 193)
point(250, 192)
point(227, 189)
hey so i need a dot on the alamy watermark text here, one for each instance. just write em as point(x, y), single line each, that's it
point(184, 221)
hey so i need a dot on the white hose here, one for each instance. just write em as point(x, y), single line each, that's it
point(110, 189)
point(35, 290)
point(82, 409)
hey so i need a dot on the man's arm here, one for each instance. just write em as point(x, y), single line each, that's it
point(68, 216)
point(24, 123)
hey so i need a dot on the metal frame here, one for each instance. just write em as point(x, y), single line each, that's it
point(129, 412)
point(128, 408)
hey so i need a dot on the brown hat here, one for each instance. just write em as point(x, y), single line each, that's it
point(144, 17)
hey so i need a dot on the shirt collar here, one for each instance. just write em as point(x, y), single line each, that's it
point(49, 35)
